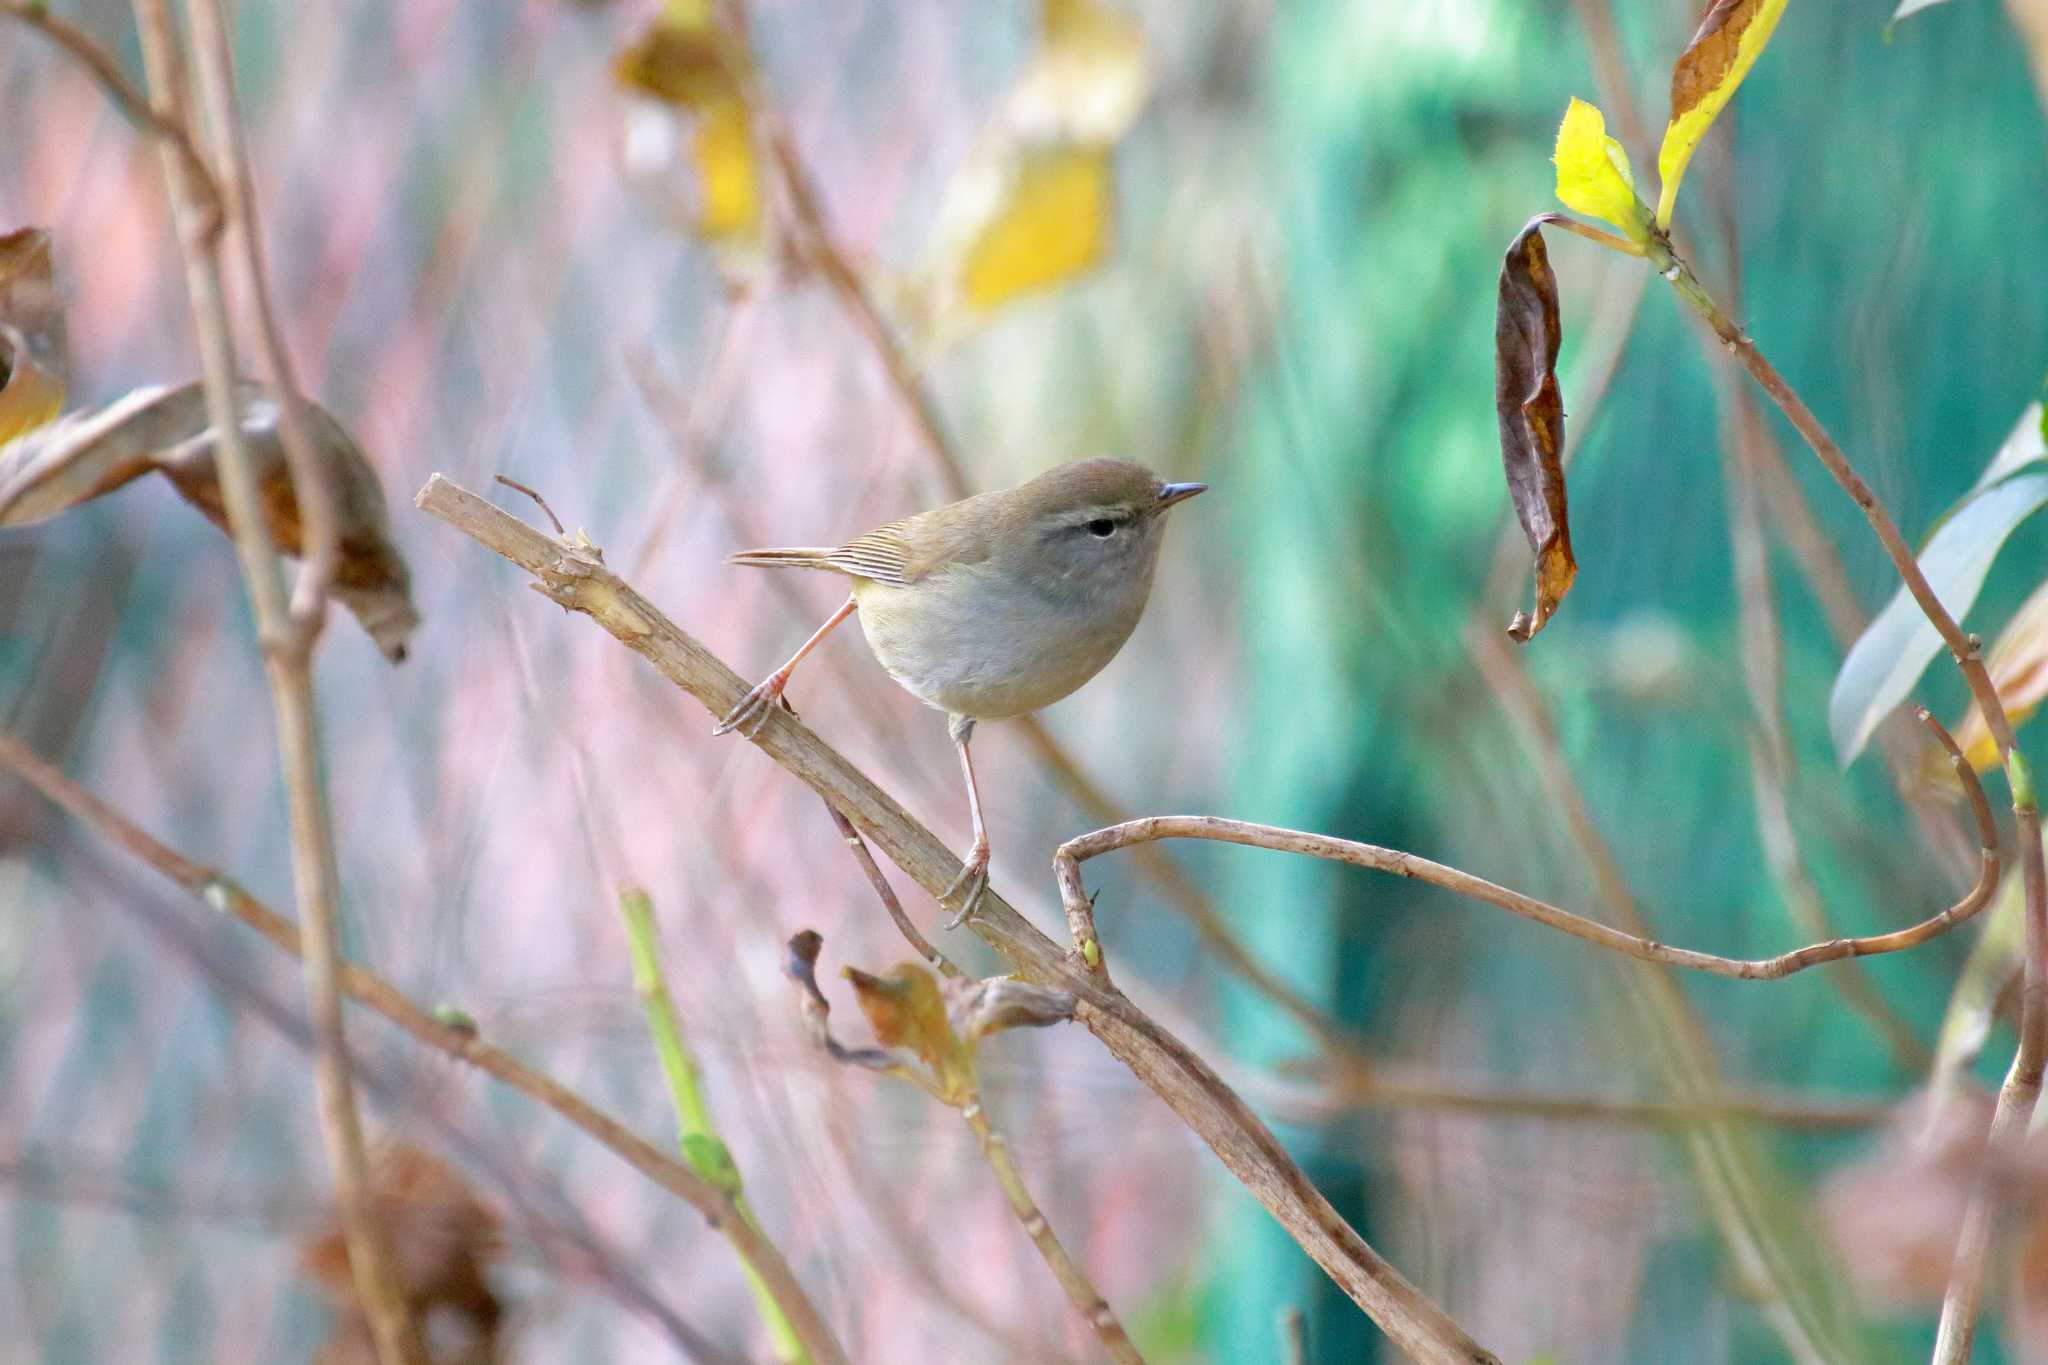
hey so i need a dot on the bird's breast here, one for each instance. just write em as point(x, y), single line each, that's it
point(970, 643)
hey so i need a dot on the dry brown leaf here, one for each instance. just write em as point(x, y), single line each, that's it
point(443, 1241)
point(907, 1010)
point(1895, 1215)
point(977, 1008)
point(85, 455)
point(1526, 337)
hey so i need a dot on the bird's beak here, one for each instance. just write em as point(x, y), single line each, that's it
point(1179, 492)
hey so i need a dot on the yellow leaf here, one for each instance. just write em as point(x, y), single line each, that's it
point(689, 65)
point(29, 398)
point(1729, 41)
point(1055, 223)
point(728, 172)
point(1593, 175)
point(31, 335)
point(2018, 665)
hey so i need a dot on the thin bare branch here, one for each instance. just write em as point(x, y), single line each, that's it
point(457, 1040)
point(312, 482)
point(1080, 1290)
point(1771, 765)
point(538, 500)
point(576, 578)
point(1147, 829)
point(288, 666)
point(132, 103)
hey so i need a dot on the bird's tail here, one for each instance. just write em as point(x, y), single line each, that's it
point(790, 557)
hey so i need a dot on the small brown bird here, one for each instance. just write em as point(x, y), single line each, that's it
point(993, 606)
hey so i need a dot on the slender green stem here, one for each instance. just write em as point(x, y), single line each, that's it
point(702, 1148)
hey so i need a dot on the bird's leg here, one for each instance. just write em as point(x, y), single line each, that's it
point(973, 878)
point(753, 708)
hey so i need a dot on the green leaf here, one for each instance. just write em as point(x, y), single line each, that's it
point(1885, 663)
point(1907, 8)
point(2028, 443)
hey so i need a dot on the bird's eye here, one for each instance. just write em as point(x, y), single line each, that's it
point(1102, 528)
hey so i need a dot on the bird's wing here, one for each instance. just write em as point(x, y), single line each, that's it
point(883, 554)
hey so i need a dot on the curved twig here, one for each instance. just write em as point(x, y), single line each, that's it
point(1081, 919)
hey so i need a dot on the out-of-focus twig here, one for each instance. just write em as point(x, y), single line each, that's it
point(1392, 1087)
point(456, 1040)
point(288, 665)
point(1293, 1329)
point(1771, 766)
point(312, 487)
point(575, 578)
point(131, 102)
point(1772, 1254)
point(696, 1134)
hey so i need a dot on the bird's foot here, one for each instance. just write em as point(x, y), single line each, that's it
point(969, 885)
point(753, 708)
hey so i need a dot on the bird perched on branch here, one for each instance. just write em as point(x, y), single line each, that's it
point(993, 606)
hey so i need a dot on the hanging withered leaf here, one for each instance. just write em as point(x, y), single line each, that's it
point(32, 360)
point(692, 144)
point(87, 454)
point(1526, 336)
point(1730, 39)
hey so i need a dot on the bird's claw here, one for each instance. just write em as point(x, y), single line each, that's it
point(969, 886)
point(752, 710)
